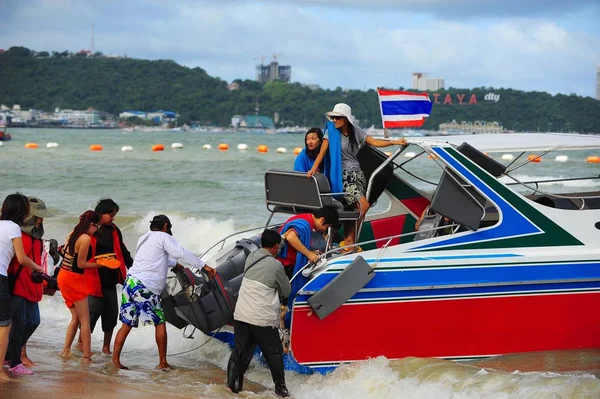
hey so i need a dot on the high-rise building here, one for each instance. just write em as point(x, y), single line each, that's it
point(273, 71)
point(422, 82)
point(416, 77)
point(598, 83)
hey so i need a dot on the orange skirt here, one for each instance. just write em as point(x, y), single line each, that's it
point(72, 286)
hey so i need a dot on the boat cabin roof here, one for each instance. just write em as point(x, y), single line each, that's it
point(514, 142)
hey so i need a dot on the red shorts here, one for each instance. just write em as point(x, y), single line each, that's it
point(72, 287)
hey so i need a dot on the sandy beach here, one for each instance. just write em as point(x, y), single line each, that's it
point(71, 378)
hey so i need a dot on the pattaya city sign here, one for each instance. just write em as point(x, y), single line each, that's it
point(493, 97)
point(461, 98)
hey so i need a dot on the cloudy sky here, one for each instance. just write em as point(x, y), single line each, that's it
point(545, 45)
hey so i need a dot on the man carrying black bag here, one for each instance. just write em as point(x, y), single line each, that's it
point(257, 315)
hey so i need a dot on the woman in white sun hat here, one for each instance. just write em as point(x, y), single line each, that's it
point(344, 139)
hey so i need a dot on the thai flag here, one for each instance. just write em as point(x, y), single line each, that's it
point(403, 109)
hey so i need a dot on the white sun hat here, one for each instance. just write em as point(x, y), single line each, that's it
point(341, 109)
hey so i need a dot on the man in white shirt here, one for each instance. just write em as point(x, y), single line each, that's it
point(156, 252)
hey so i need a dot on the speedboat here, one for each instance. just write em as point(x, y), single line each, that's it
point(506, 267)
point(4, 136)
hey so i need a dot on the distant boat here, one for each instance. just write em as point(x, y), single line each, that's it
point(292, 130)
point(4, 136)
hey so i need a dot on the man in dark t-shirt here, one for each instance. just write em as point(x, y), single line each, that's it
point(102, 282)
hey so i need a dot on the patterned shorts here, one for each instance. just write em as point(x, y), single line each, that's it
point(353, 182)
point(139, 303)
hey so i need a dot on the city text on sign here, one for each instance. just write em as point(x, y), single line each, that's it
point(461, 98)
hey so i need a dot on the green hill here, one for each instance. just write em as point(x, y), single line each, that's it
point(45, 81)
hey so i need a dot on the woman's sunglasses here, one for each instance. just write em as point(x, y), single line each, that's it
point(337, 118)
point(96, 225)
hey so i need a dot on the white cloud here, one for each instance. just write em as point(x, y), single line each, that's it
point(328, 46)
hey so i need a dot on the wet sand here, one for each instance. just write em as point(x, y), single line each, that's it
point(558, 374)
point(74, 384)
point(567, 361)
point(71, 378)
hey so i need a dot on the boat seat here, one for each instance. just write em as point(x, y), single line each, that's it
point(293, 192)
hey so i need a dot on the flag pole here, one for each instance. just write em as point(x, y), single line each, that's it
point(385, 133)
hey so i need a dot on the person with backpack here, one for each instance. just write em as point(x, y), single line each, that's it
point(28, 288)
point(15, 209)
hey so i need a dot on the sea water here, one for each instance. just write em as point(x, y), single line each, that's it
point(209, 194)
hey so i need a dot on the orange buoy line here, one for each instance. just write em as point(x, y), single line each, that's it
point(158, 147)
point(31, 145)
point(297, 150)
point(223, 147)
point(262, 148)
point(593, 159)
point(96, 147)
point(534, 158)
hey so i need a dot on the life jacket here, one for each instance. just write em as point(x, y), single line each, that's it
point(92, 277)
point(24, 287)
point(290, 259)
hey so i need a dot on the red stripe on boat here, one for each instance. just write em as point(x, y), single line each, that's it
point(448, 328)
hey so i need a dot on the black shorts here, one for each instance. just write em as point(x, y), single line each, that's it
point(5, 311)
point(106, 307)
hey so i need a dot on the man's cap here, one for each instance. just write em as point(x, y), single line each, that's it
point(160, 220)
point(37, 207)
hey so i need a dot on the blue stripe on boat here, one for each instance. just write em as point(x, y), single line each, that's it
point(426, 258)
point(470, 274)
point(512, 222)
point(452, 293)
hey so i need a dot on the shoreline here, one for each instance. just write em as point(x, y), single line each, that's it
point(66, 378)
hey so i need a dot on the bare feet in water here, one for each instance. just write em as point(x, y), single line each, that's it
point(164, 366)
point(79, 346)
point(4, 377)
point(118, 365)
point(27, 362)
point(106, 350)
point(65, 353)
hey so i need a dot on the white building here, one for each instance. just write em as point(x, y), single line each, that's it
point(158, 117)
point(470, 127)
point(89, 118)
point(423, 82)
point(76, 117)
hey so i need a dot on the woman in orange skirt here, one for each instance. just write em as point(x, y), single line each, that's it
point(72, 282)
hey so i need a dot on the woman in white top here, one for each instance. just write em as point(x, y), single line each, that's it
point(15, 209)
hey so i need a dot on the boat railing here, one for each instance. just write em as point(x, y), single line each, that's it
point(381, 167)
point(329, 254)
point(529, 160)
point(534, 187)
point(237, 233)
point(537, 182)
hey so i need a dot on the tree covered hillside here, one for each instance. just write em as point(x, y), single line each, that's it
point(78, 81)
